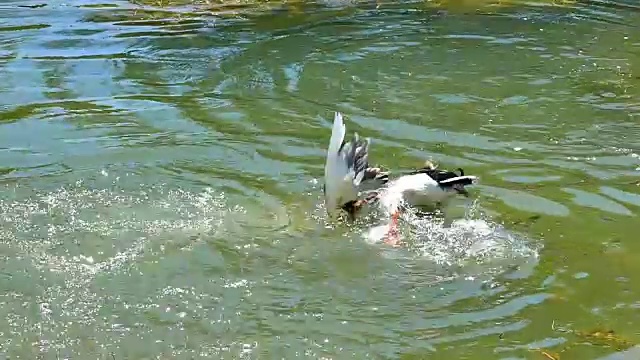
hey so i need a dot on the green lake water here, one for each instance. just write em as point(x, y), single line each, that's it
point(161, 181)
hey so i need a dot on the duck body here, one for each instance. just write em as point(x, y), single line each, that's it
point(416, 190)
point(425, 187)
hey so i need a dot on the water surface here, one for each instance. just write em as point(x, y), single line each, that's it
point(161, 181)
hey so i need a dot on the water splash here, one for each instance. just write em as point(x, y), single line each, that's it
point(471, 239)
point(467, 240)
point(68, 237)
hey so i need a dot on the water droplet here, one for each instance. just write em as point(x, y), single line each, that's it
point(581, 275)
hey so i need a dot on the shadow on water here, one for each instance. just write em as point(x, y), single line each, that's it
point(160, 166)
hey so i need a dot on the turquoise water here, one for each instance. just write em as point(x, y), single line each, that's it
point(161, 174)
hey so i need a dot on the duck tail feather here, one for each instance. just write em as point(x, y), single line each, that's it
point(459, 180)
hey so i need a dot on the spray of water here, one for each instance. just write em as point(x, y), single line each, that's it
point(65, 239)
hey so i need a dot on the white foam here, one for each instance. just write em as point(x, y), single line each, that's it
point(456, 242)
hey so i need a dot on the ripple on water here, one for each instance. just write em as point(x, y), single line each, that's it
point(620, 195)
point(453, 264)
point(585, 198)
point(171, 272)
point(526, 201)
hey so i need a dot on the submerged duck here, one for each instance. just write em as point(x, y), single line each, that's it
point(347, 172)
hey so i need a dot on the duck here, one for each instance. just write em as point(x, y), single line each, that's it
point(347, 173)
point(425, 187)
